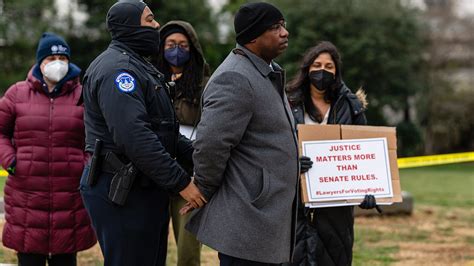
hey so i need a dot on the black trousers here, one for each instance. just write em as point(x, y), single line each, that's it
point(31, 259)
point(133, 234)
point(226, 260)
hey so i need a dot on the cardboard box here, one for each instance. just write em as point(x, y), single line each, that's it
point(342, 132)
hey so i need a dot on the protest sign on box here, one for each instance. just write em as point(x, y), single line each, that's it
point(349, 162)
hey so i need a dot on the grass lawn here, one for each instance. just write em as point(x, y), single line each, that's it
point(440, 231)
point(447, 185)
point(2, 184)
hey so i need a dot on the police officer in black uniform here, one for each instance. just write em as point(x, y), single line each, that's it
point(129, 111)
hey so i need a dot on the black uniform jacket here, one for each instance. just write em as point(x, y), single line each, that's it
point(127, 107)
point(325, 236)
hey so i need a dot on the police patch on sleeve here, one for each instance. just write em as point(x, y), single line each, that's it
point(125, 82)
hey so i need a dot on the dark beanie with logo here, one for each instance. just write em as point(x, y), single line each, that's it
point(253, 19)
point(51, 44)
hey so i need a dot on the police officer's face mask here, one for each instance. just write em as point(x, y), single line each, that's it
point(55, 70)
point(143, 40)
point(177, 56)
point(323, 80)
point(123, 22)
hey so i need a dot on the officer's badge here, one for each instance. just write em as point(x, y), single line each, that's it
point(125, 82)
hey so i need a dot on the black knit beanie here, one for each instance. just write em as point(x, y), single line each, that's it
point(253, 19)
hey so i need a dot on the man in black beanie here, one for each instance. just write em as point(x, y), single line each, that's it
point(260, 27)
point(125, 185)
point(246, 154)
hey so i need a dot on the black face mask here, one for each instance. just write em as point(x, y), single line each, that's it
point(123, 23)
point(322, 79)
point(143, 40)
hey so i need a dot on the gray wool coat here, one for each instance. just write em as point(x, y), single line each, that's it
point(246, 162)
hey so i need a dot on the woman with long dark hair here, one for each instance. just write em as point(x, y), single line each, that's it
point(318, 95)
point(186, 72)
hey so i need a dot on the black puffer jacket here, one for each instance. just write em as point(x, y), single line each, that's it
point(325, 236)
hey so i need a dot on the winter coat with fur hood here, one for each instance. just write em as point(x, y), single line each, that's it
point(348, 109)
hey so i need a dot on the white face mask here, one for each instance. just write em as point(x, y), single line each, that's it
point(56, 70)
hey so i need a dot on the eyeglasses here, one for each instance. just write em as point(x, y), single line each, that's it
point(171, 45)
point(278, 26)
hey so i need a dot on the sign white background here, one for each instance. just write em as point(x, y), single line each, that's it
point(355, 177)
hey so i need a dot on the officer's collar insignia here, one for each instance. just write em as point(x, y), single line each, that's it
point(125, 82)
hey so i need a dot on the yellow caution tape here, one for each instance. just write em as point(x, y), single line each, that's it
point(410, 162)
point(428, 160)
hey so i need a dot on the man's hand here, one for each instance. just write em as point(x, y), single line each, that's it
point(193, 196)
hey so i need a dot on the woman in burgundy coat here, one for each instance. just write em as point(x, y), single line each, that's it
point(42, 148)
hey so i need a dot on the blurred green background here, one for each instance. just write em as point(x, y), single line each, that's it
point(414, 58)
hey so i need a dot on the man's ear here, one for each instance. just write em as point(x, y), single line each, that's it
point(250, 45)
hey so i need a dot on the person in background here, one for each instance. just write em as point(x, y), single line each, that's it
point(182, 61)
point(42, 148)
point(246, 154)
point(186, 72)
point(318, 95)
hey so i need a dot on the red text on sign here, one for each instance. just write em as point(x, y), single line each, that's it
point(345, 147)
point(346, 167)
point(363, 177)
point(370, 156)
point(326, 179)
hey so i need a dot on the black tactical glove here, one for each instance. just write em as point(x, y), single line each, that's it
point(369, 202)
point(305, 164)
